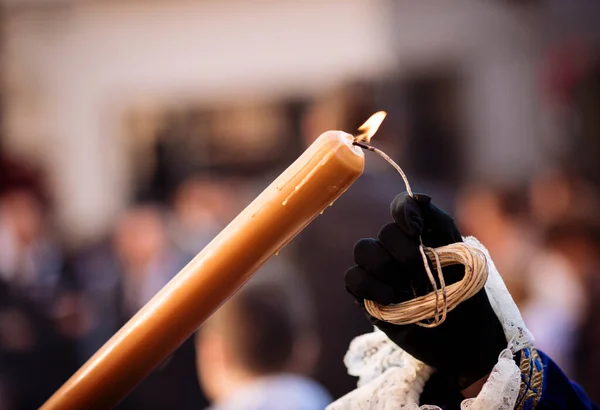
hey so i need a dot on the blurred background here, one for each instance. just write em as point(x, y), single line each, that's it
point(133, 131)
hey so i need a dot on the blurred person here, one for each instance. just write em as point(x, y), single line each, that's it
point(557, 279)
point(35, 352)
point(201, 208)
point(577, 242)
point(34, 358)
point(558, 194)
point(146, 259)
point(31, 261)
point(252, 353)
point(557, 297)
point(119, 277)
point(497, 216)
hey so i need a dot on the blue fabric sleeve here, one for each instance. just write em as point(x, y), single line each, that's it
point(559, 392)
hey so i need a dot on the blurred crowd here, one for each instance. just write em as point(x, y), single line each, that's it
point(545, 241)
point(59, 304)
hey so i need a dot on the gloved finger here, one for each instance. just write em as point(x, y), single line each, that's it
point(419, 214)
point(364, 286)
point(394, 240)
point(406, 211)
point(370, 255)
point(439, 228)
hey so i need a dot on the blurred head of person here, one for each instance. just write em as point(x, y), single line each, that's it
point(254, 343)
point(558, 194)
point(146, 258)
point(489, 212)
point(497, 217)
point(22, 213)
point(24, 201)
point(577, 240)
point(30, 256)
point(200, 208)
point(478, 211)
point(140, 236)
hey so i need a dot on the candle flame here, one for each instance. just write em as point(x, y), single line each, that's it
point(370, 127)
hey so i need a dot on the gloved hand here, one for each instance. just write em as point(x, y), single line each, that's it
point(390, 270)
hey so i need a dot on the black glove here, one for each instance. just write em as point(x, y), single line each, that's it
point(390, 269)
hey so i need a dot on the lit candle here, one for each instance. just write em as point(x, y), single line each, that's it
point(303, 191)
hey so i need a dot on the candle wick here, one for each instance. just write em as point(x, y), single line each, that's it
point(389, 160)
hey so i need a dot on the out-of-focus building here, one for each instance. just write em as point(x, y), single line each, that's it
point(73, 69)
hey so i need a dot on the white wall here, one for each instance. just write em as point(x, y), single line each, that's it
point(496, 48)
point(71, 69)
point(500, 47)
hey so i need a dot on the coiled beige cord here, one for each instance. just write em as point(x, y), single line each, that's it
point(431, 310)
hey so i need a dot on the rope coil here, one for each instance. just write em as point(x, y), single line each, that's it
point(431, 310)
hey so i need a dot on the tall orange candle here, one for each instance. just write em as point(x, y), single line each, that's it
point(311, 184)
